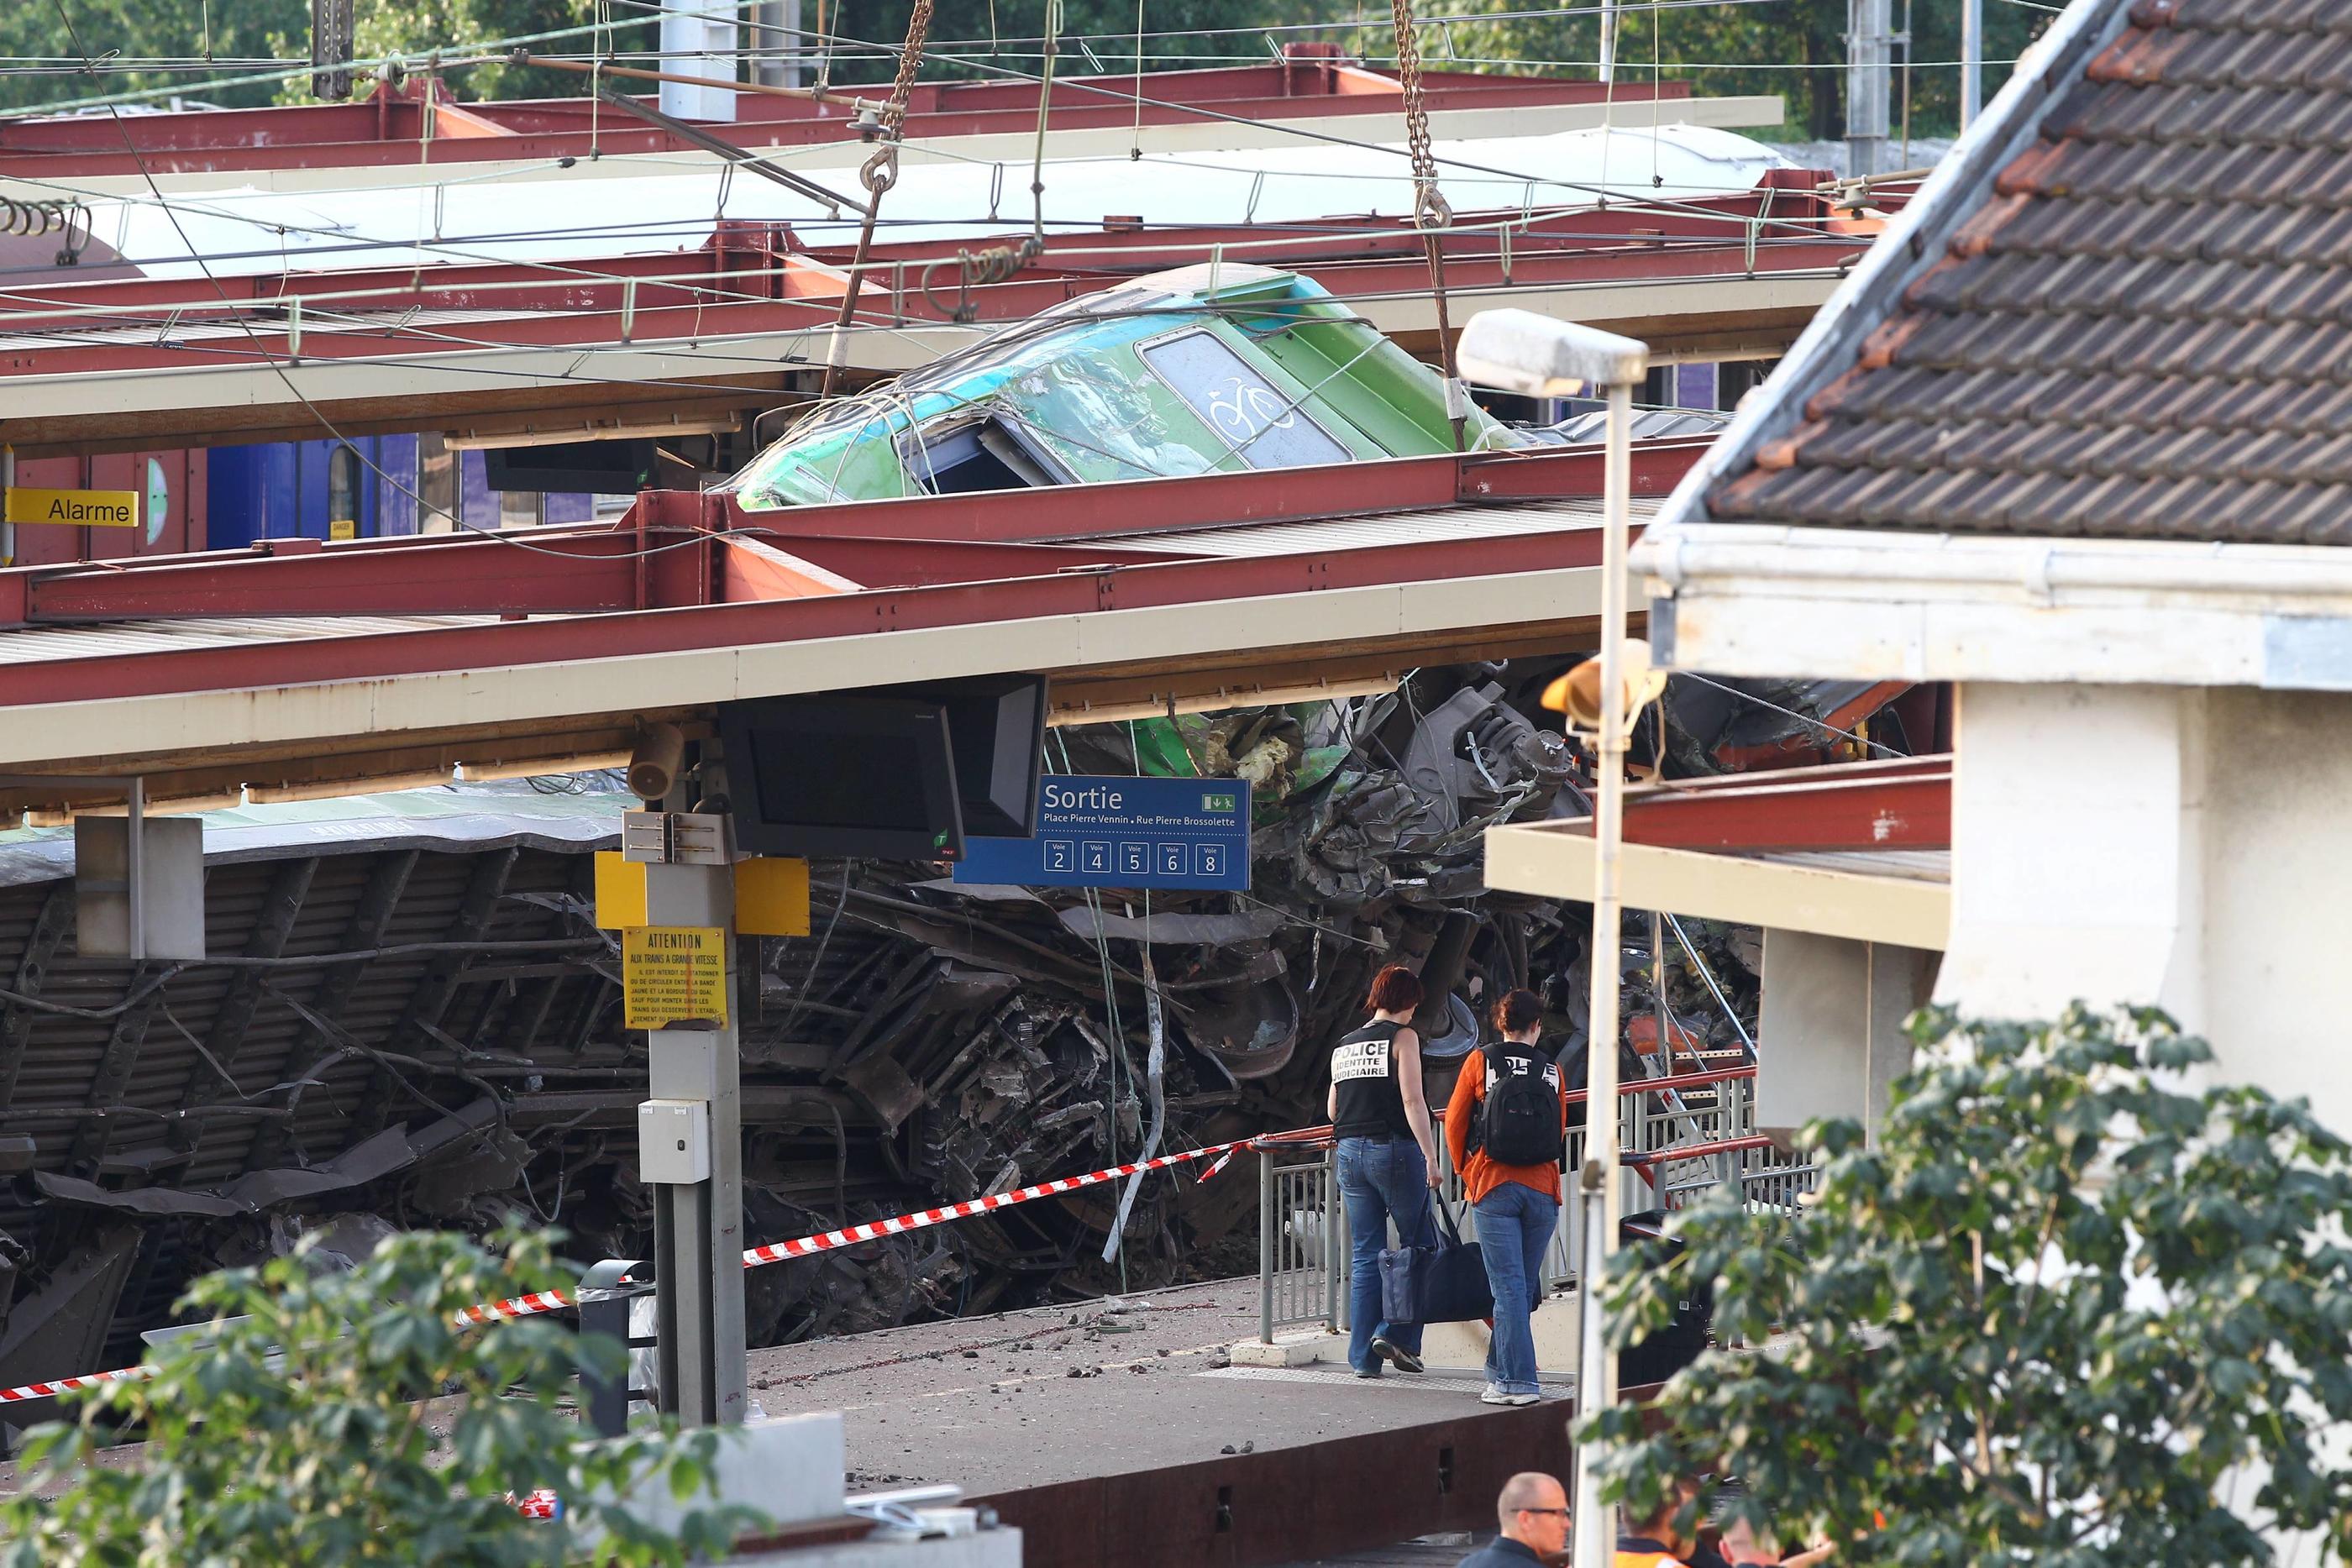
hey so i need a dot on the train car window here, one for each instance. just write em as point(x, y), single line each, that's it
point(1268, 430)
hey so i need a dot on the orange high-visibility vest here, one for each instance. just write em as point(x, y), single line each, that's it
point(1637, 1552)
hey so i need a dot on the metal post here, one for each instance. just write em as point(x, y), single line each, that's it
point(134, 882)
point(1869, 23)
point(1268, 1230)
point(1663, 1018)
point(332, 40)
point(1972, 61)
point(1595, 1539)
point(7, 483)
point(777, 60)
point(1333, 1218)
point(1595, 1385)
point(1607, 41)
point(605, 1308)
point(699, 1227)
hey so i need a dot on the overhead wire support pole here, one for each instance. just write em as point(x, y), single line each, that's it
point(1539, 356)
point(1972, 61)
point(1596, 1386)
point(1870, 25)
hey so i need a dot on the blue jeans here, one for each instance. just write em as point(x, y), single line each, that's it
point(1515, 1227)
point(1380, 1182)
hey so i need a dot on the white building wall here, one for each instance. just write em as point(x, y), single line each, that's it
point(2278, 895)
point(2182, 846)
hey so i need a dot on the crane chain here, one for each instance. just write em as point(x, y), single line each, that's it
point(1431, 213)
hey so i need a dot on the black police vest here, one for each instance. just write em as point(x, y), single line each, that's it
point(1364, 1070)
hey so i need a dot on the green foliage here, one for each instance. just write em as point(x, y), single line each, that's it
point(2063, 1312)
point(1794, 47)
point(343, 1417)
point(381, 28)
point(223, 30)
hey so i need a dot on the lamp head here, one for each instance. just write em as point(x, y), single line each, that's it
point(1537, 356)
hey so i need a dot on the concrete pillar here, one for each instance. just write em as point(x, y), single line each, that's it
point(1899, 980)
point(698, 39)
point(1829, 1040)
point(1812, 1032)
point(2077, 850)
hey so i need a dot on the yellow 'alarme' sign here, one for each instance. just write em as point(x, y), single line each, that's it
point(672, 973)
point(91, 508)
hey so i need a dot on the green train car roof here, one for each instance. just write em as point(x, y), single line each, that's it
point(1204, 370)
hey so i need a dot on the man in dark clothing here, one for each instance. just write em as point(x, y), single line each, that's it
point(1533, 1512)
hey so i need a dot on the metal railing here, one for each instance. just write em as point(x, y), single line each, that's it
point(1300, 1221)
point(1687, 1133)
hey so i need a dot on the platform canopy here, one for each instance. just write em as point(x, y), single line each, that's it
point(299, 668)
point(1859, 851)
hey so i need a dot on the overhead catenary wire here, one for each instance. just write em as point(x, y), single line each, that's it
point(1310, 133)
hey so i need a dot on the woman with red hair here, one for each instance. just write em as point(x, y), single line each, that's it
point(1387, 1162)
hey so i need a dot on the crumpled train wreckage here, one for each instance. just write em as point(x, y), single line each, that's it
point(403, 1030)
point(408, 1026)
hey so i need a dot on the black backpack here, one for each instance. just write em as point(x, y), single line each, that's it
point(1519, 1123)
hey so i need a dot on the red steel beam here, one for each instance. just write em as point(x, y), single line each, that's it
point(924, 563)
point(1884, 809)
point(763, 259)
point(662, 556)
point(389, 128)
point(1132, 506)
point(637, 633)
point(570, 573)
point(791, 296)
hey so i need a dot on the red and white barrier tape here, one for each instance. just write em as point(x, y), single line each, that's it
point(852, 1235)
point(64, 1385)
point(775, 1252)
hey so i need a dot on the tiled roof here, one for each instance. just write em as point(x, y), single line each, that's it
point(2143, 328)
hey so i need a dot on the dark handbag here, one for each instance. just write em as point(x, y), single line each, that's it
point(1445, 1283)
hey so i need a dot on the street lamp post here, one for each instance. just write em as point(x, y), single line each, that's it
point(1520, 351)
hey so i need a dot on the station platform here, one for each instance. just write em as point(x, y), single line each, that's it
point(1118, 1432)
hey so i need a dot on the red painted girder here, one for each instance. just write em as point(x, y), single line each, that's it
point(375, 134)
point(642, 632)
point(592, 312)
point(551, 573)
point(1878, 808)
point(757, 258)
point(924, 562)
point(1132, 507)
point(660, 556)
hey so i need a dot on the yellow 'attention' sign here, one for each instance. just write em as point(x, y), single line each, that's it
point(90, 508)
point(670, 973)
